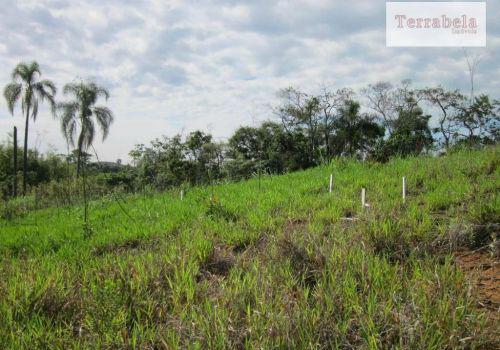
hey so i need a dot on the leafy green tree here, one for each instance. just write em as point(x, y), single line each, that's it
point(300, 111)
point(411, 136)
point(81, 114)
point(42, 169)
point(195, 142)
point(245, 143)
point(27, 87)
point(162, 164)
point(244, 152)
point(268, 148)
point(479, 121)
point(137, 153)
point(414, 127)
point(356, 133)
point(72, 157)
point(6, 170)
point(282, 150)
point(204, 157)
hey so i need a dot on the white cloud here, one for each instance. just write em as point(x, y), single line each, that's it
point(182, 65)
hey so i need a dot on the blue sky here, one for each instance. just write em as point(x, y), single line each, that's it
point(176, 66)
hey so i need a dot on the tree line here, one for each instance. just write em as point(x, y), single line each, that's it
point(381, 121)
point(310, 129)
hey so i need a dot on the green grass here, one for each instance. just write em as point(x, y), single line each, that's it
point(269, 265)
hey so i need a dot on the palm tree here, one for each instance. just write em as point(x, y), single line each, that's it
point(79, 114)
point(27, 87)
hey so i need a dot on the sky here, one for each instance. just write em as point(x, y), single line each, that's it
point(175, 66)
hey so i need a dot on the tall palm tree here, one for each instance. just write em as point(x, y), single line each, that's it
point(27, 87)
point(80, 113)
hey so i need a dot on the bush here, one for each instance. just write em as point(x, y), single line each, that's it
point(217, 211)
point(17, 207)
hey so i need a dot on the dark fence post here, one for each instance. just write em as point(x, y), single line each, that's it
point(15, 163)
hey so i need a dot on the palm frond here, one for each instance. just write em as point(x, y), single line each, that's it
point(68, 111)
point(34, 110)
point(48, 86)
point(12, 92)
point(69, 131)
point(26, 71)
point(87, 132)
point(104, 117)
point(103, 92)
point(73, 89)
point(34, 68)
point(29, 100)
point(45, 89)
point(20, 72)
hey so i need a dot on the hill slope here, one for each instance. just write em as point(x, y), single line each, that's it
point(275, 263)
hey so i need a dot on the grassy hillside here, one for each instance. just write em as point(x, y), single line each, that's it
point(275, 263)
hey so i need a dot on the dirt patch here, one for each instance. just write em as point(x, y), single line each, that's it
point(61, 305)
point(306, 267)
point(252, 246)
point(483, 234)
point(348, 214)
point(218, 263)
point(240, 247)
point(485, 270)
point(294, 225)
point(133, 245)
point(261, 244)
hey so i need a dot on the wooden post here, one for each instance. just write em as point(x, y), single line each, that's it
point(331, 182)
point(363, 197)
point(14, 191)
point(404, 189)
point(182, 194)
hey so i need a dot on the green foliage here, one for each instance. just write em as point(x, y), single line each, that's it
point(410, 136)
point(356, 134)
point(170, 162)
point(313, 130)
point(268, 148)
point(17, 207)
point(42, 169)
point(216, 211)
point(293, 267)
point(479, 120)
